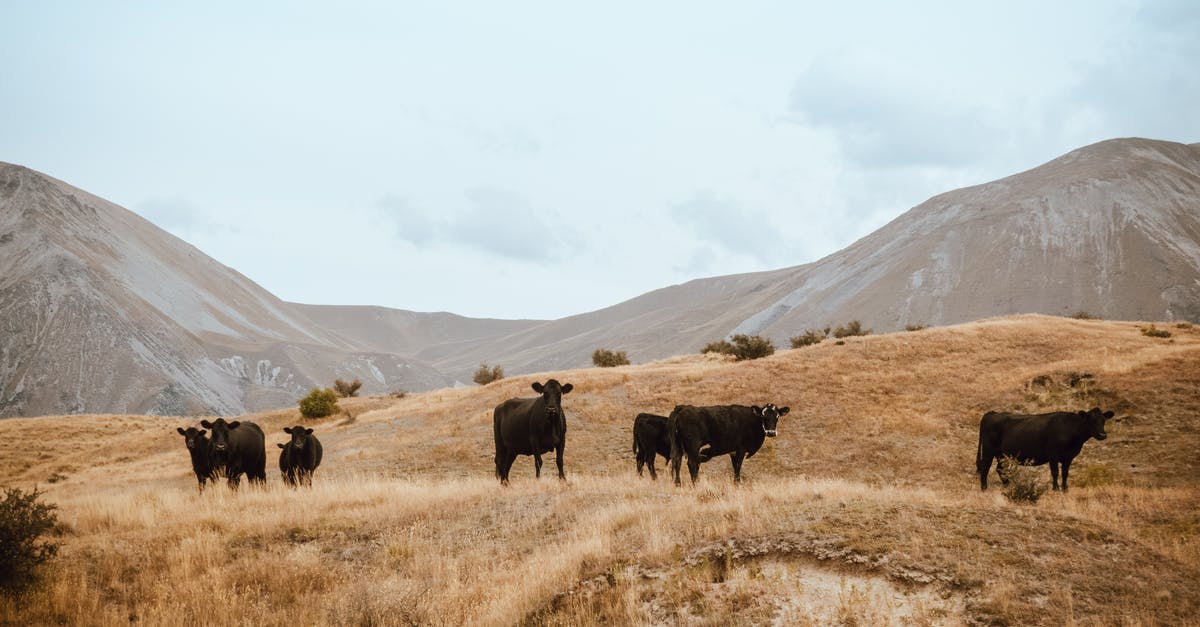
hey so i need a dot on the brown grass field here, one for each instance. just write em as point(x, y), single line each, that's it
point(865, 510)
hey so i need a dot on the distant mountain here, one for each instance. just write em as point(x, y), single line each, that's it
point(100, 311)
point(1111, 229)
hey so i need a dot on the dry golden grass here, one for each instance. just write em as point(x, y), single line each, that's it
point(865, 510)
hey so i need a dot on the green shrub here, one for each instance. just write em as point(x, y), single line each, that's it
point(1023, 484)
point(1152, 331)
point(319, 403)
point(809, 337)
point(852, 328)
point(485, 375)
point(23, 521)
point(742, 347)
point(605, 358)
point(346, 390)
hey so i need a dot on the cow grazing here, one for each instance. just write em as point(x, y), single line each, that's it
point(197, 445)
point(1035, 439)
point(300, 457)
point(531, 426)
point(736, 430)
point(237, 448)
point(650, 438)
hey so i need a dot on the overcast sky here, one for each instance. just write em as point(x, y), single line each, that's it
point(511, 159)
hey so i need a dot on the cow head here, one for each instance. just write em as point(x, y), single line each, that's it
point(552, 393)
point(1095, 419)
point(299, 436)
point(194, 438)
point(220, 434)
point(770, 417)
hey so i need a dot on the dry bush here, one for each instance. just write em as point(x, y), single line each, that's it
point(319, 403)
point(1023, 484)
point(23, 522)
point(742, 347)
point(347, 390)
point(1153, 331)
point(485, 374)
point(852, 328)
point(605, 358)
point(808, 338)
point(1083, 315)
point(915, 327)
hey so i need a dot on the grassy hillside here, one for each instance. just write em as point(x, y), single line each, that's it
point(865, 510)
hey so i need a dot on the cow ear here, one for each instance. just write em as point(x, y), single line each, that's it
point(566, 389)
point(1108, 414)
point(280, 445)
point(202, 432)
point(757, 410)
point(206, 424)
point(537, 387)
point(181, 431)
point(234, 424)
point(784, 410)
point(308, 431)
point(287, 429)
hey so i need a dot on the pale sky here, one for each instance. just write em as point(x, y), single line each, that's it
point(514, 159)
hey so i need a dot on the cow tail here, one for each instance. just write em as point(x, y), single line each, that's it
point(635, 446)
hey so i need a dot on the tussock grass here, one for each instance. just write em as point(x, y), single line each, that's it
point(864, 510)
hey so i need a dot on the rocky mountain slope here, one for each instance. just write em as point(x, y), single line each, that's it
point(102, 311)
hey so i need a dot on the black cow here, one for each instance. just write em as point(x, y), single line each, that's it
point(650, 438)
point(531, 426)
point(238, 447)
point(197, 445)
point(736, 430)
point(1034, 439)
point(300, 457)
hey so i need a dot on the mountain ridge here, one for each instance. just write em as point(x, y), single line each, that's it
point(103, 311)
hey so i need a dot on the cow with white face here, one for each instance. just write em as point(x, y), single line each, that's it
point(735, 430)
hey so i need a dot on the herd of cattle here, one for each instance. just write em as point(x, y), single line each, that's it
point(536, 426)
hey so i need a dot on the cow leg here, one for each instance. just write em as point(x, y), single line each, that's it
point(737, 459)
point(653, 475)
point(558, 460)
point(694, 466)
point(537, 466)
point(505, 466)
point(983, 465)
point(640, 462)
point(1054, 474)
point(1066, 465)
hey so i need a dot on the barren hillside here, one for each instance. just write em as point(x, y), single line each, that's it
point(865, 510)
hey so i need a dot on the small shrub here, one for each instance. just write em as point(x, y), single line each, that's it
point(1023, 485)
point(485, 375)
point(808, 338)
point(1183, 325)
point(23, 521)
point(722, 347)
point(319, 403)
point(1152, 331)
point(852, 328)
point(914, 327)
point(742, 347)
point(1083, 315)
point(751, 347)
point(605, 358)
point(346, 390)
point(398, 393)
